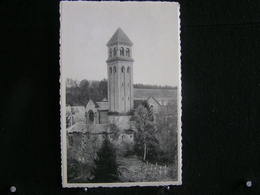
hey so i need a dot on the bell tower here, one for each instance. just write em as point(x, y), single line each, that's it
point(120, 73)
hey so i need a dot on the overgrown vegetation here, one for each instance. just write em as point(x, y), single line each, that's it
point(152, 155)
point(79, 94)
point(153, 137)
point(106, 168)
point(145, 139)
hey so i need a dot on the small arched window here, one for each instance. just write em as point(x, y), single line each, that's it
point(91, 115)
point(127, 52)
point(114, 69)
point(110, 52)
point(128, 69)
point(123, 69)
point(115, 51)
point(110, 69)
point(122, 51)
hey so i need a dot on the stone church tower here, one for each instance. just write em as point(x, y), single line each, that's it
point(120, 73)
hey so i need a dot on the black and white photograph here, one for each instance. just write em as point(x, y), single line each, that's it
point(120, 94)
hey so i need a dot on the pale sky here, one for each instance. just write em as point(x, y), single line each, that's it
point(153, 27)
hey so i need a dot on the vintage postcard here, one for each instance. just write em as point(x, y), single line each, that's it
point(120, 76)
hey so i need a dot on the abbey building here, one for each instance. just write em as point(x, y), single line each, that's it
point(122, 98)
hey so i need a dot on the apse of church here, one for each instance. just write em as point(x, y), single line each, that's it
point(120, 73)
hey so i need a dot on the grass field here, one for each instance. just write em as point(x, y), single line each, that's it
point(132, 169)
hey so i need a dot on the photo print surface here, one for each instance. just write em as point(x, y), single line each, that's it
point(120, 94)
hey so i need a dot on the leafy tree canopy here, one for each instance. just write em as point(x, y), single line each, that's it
point(145, 140)
point(79, 93)
point(105, 164)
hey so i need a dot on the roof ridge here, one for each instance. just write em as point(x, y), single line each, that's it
point(119, 37)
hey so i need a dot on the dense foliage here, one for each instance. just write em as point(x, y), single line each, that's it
point(145, 140)
point(154, 136)
point(90, 159)
point(167, 135)
point(106, 168)
point(78, 93)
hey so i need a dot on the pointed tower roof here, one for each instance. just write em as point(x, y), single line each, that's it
point(119, 37)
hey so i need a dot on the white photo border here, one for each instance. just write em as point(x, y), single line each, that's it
point(63, 142)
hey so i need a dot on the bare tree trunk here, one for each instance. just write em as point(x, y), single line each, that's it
point(144, 158)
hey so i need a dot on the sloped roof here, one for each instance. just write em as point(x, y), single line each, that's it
point(119, 37)
point(155, 100)
point(92, 102)
point(102, 105)
point(143, 94)
point(129, 131)
point(77, 127)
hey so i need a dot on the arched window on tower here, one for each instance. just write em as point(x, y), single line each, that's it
point(127, 52)
point(115, 51)
point(128, 69)
point(110, 69)
point(114, 69)
point(123, 69)
point(122, 51)
point(110, 52)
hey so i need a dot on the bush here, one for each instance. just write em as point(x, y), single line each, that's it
point(77, 171)
point(125, 149)
point(73, 169)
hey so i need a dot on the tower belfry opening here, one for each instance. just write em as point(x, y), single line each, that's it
point(120, 80)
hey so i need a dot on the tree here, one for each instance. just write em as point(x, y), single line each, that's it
point(84, 91)
point(79, 94)
point(105, 164)
point(145, 140)
point(114, 130)
point(102, 88)
point(166, 121)
point(149, 110)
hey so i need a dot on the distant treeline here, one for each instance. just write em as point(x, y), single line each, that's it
point(79, 92)
point(145, 86)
